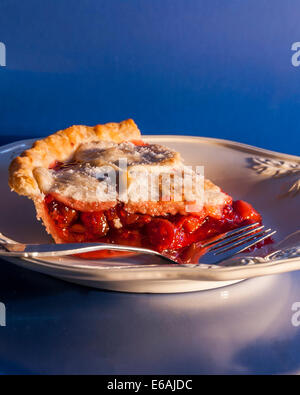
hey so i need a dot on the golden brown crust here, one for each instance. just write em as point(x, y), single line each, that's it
point(60, 146)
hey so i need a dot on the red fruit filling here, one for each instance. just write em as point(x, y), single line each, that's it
point(169, 233)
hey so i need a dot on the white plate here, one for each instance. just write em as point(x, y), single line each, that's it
point(230, 165)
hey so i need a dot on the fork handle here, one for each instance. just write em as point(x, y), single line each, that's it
point(46, 250)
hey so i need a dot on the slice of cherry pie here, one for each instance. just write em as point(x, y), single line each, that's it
point(104, 184)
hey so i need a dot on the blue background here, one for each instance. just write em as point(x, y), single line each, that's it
point(210, 68)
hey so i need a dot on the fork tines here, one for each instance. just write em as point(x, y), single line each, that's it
point(237, 240)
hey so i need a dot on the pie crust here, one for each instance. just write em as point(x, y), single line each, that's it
point(163, 221)
point(61, 146)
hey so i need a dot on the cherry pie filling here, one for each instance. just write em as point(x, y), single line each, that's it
point(170, 234)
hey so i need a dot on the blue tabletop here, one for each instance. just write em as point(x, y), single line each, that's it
point(217, 69)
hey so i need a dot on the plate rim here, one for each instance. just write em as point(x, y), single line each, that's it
point(217, 141)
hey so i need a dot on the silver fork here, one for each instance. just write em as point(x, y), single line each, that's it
point(212, 251)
